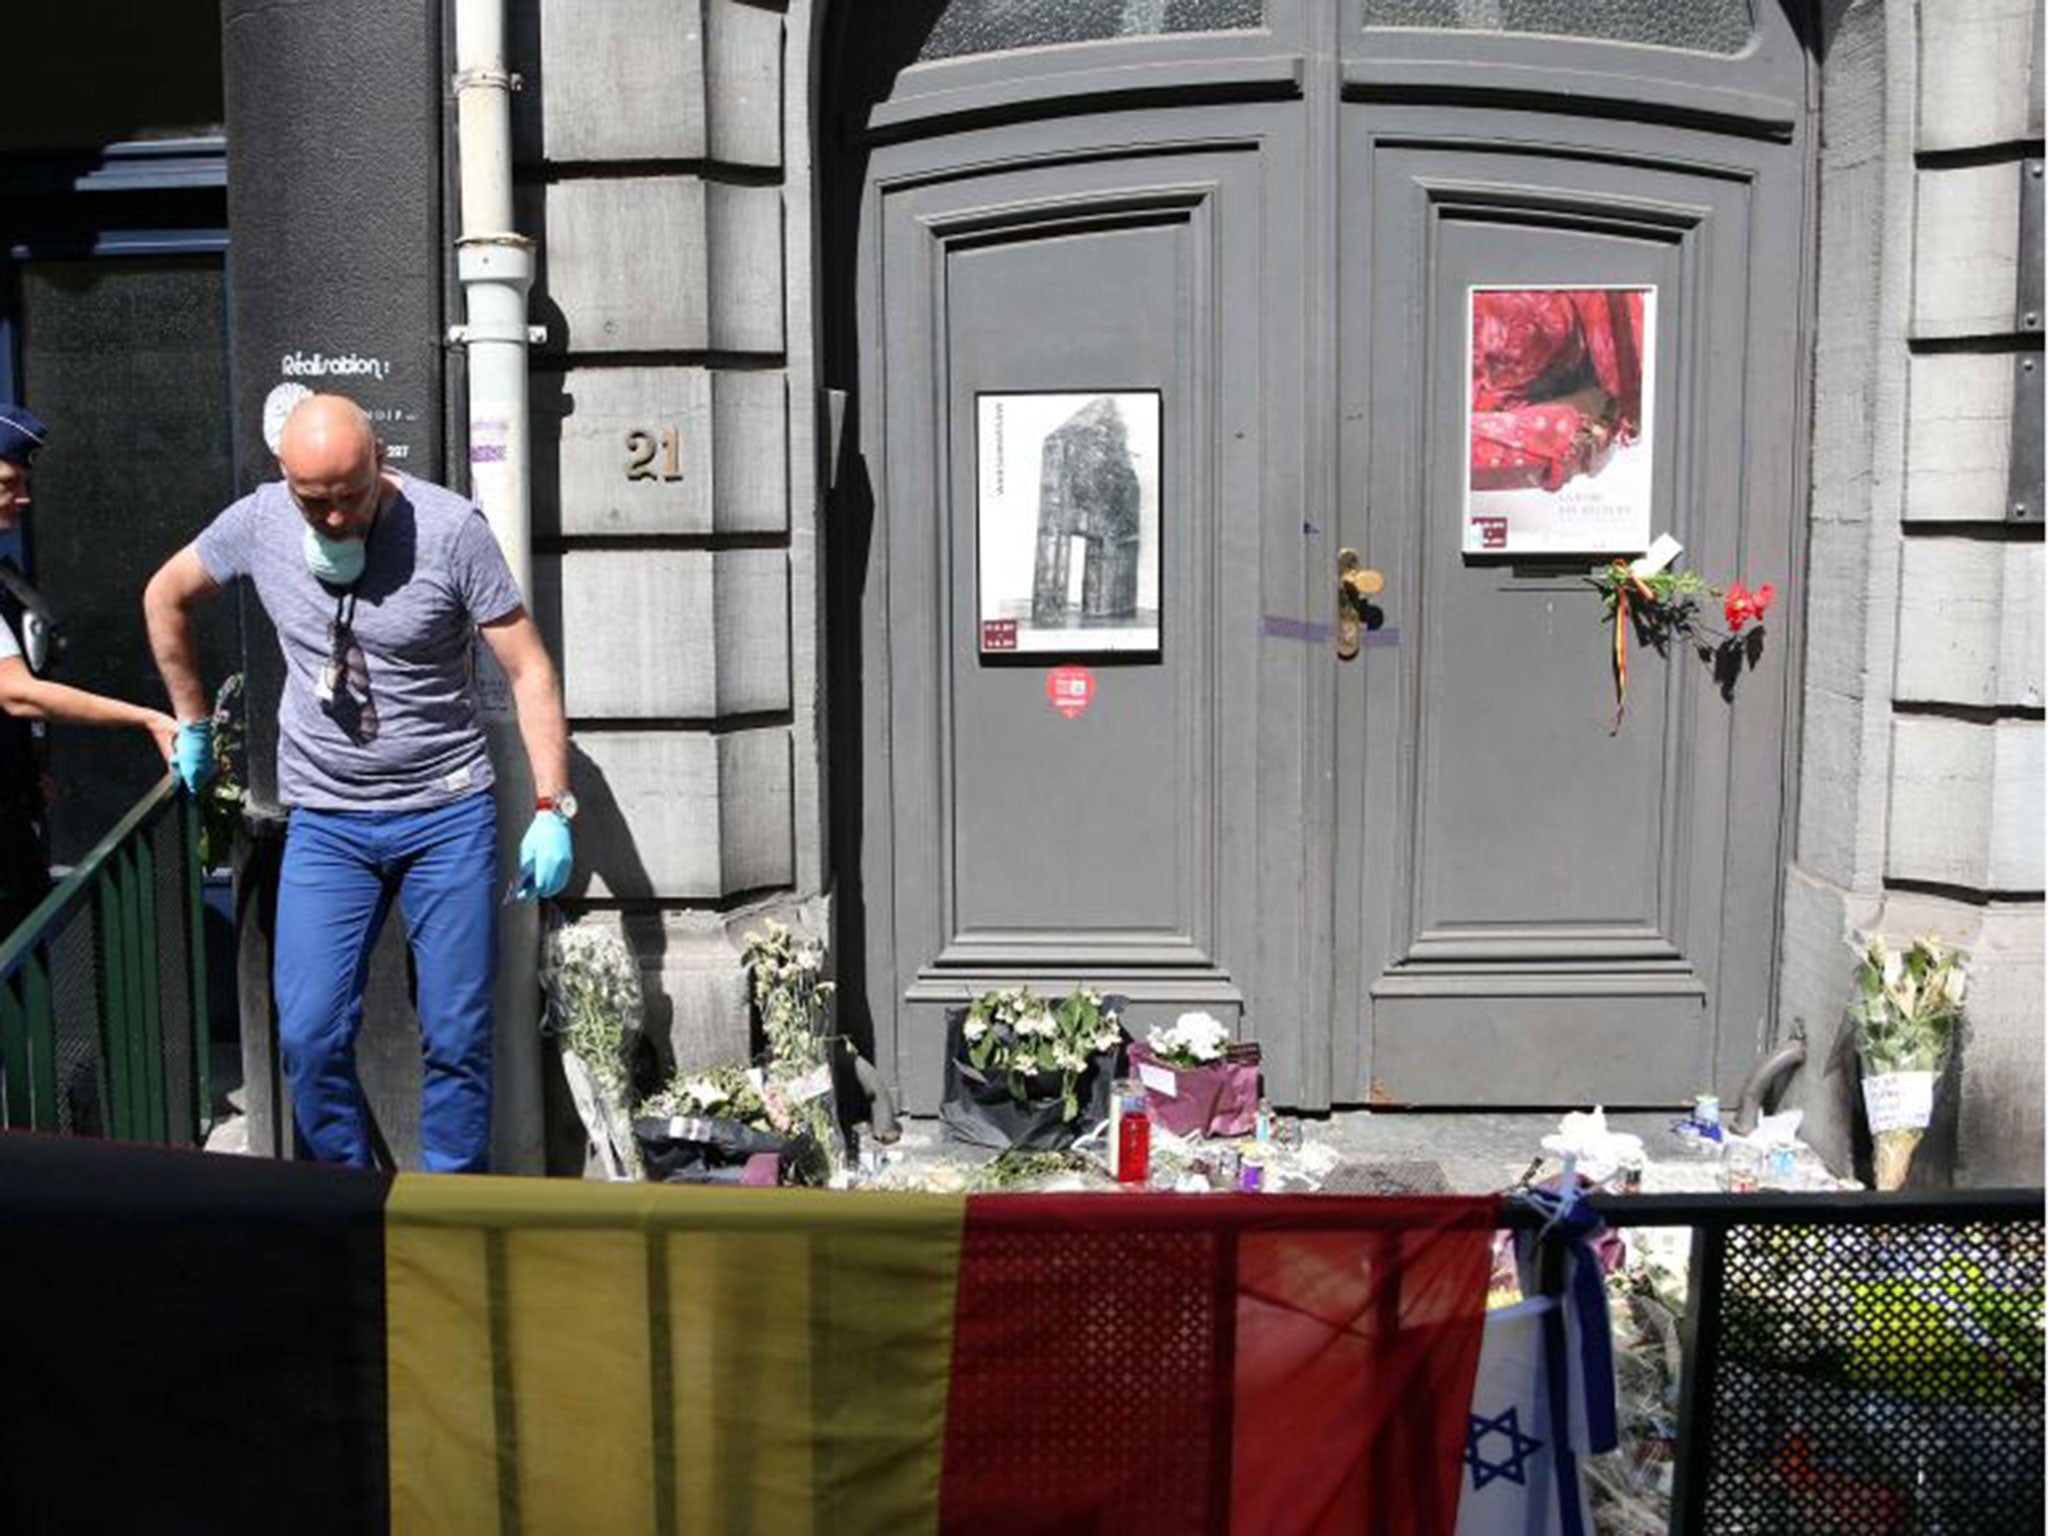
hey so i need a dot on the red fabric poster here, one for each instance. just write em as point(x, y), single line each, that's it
point(1259, 1363)
point(1540, 359)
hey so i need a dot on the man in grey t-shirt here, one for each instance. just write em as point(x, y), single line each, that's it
point(376, 584)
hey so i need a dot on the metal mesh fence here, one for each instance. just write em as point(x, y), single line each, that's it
point(1876, 1378)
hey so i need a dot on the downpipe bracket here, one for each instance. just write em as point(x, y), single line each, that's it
point(485, 77)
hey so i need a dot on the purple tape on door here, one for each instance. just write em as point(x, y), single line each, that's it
point(1316, 634)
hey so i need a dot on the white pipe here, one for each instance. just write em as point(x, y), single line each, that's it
point(495, 266)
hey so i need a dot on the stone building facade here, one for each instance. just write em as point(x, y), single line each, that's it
point(1920, 767)
point(682, 591)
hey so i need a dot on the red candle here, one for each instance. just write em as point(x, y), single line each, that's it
point(1133, 1144)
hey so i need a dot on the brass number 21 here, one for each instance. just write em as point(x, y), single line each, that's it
point(642, 447)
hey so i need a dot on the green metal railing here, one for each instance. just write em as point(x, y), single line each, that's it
point(103, 1003)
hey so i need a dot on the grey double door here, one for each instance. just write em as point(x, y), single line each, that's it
point(1421, 868)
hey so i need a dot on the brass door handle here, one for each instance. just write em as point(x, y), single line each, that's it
point(1355, 583)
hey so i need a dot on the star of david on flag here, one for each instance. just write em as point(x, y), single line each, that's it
point(1485, 1461)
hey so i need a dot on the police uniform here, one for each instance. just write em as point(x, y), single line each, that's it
point(24, 867)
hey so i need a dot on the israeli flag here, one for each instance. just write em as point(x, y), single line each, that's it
point(1521, 1475)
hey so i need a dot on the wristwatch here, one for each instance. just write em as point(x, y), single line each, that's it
point(563, 805)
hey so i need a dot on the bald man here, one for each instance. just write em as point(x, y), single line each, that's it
point(376, 584)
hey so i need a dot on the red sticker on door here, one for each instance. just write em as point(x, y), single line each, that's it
point(1070, 689)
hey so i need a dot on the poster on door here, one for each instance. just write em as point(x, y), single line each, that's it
point(1067, 521)
point(1559, 419)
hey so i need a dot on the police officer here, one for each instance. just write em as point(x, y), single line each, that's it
point(24, 873)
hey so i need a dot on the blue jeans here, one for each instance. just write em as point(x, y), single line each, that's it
point(341, 869)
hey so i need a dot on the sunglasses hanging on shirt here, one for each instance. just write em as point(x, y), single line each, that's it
point(343, 684)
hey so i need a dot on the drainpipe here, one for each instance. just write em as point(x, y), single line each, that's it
point(495, 267)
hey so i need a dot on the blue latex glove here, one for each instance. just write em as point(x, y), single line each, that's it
point(192, 753)
point(545, 857)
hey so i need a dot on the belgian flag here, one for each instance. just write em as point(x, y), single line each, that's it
point(216, 1344)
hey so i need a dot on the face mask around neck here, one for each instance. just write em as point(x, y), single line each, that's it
point(338, 562)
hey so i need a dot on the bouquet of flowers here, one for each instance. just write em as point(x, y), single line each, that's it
point(592, 986)
point(1019, 1067)
point(727, 1093)
point(794, 1001)
point(1196, 1082)
point(1905, 1014)
point(709, 1126)
point(1193, 1040)
point(222, 798)
point(1663, 606)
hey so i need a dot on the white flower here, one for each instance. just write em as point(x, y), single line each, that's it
point(703, 1093)
point(1040, 1024)
point(976, 1028)
point(1953, 981)
point(1194, 1037)
point(1068, 1059)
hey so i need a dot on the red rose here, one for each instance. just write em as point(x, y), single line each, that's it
point(1761, 598)
point(1739, 607)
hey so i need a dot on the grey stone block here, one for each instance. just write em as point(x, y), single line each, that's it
point(623, 263)
point(743, 62)
point(1970, 623)
point(1967, 231)
point(2000, 1130)
point(698, 982)
point(682, 814)
point(1841, 785)
point(745, 266)
point(750, 424)
point(1837, 609)
point(1959, 443)
point(1976, 86)
point(1967, 803)
point(662, 263)
point(728, 472)
point(623, 80)
point(648, 634)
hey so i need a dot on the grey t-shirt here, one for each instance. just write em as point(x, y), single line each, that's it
point(401, 731)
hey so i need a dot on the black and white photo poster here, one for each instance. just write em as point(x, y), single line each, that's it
point(1068, 521)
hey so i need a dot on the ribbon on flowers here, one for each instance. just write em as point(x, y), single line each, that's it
point(1625, 581)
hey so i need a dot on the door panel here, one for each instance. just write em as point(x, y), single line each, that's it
point(1120, 846)
point(1059, 308)
point(1542, 906)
